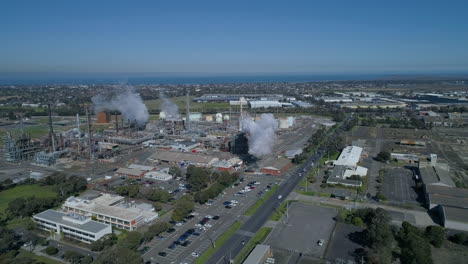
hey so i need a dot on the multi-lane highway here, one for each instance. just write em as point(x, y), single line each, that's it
point(234, 245)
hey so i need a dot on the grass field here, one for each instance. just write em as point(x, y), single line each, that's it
point(259, 237)
point(38, 259)
point(180, 102)
point(219, 242)
point(450, 253)
point(24, 191)
point(259, 203)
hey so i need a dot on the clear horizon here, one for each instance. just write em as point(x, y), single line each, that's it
point(214, 37)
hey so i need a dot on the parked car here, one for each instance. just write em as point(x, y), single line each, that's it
point(194, 254)
point(228, 207)
point(162, 254)
point(320, 242)
point(216, 217)
point(280, 197)
point(186, 243)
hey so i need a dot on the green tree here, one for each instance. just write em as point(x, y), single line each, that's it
point(117, 255)
point(157, 206)
point(182, 208)
point(121, 190)
point(131, 240)
point(72, 256)
point(435, 235)
point(50, 250)
point(8, 240)
point(175, 172)
point(383, 156)
point(133, 190)
point(357, 221)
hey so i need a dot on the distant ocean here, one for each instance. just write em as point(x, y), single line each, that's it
point(215, 79)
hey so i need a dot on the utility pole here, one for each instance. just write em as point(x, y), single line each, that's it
point(187, 110)
point(90, 147)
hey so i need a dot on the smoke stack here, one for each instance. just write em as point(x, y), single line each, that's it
point(51, 128)
point(88, 118)
point(116, 124)
point(187, 102)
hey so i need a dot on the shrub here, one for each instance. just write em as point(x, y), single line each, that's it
point(50, 250)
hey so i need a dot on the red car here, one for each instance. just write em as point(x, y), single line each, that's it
point(251, 188)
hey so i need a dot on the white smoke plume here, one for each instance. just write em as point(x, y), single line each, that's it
point(171, 110)
point(125, 100)
point(261, 134)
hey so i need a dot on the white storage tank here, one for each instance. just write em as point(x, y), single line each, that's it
point(209, 118)
point(162, 115)
point(291, 121)
point(195, 116)
point(283, 123)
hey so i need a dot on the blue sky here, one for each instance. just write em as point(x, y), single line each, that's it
point(234, 36)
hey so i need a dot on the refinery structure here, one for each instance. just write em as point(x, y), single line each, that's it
point(119, 123)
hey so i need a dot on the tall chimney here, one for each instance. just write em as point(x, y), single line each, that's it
point(187, 110)
point(51, 128)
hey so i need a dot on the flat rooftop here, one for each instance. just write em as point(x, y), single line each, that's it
point(57, 217)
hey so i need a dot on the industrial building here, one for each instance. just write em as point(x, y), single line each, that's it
point(234, 97)
point(264, 104)
point(111, 209)
point(259, 255)
point(336, 99)
point(403, 157)
point(103, 117)
point(435, 173)
point(185, 145)
point(72, 225)
point(449, 204)
point(130, 173)
point(349, 157)
point(346, 166)
point(290, 154)
point(158, 175)
point(276, 166)
point(182, 158)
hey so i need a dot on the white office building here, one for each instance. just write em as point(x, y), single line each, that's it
point(349, 157)
point(72, 225)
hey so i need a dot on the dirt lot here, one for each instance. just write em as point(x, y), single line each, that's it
point(450, 253)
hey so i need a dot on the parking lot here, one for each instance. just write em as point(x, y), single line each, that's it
point(341, 246)
point(305, 226)
point(212, 229)
point(398, 186)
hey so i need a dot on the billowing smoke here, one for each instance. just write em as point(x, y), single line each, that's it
point(170, 110)
point(125, 100)
point(261, 134)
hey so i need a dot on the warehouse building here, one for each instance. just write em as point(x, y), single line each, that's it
point(349, 157)
point(449, 204)
point(111, 209)
point(264, 104)
point(72, 225)
point(259, 255)
point(403, 157)
point(435, 173)
point(183, 158)
point(130, 173)
point(276, 166)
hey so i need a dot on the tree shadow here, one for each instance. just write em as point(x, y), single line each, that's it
point(359, 237)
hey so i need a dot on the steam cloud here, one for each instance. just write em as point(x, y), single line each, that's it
point(126, 101)
point(261, 134)
point(170, 109)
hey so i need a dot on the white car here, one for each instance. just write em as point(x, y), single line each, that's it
point(179, 224)
point(208, 203)
point(209, 216)
point(195, 254)
point(280, 196)
point(257, 183)
point(208, 225)
point(320, 242)
point(234, 201)
point(198, 225)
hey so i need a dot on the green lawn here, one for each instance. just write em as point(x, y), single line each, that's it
point(38, 259)
point(259, 203)
point(259, 237)
point(24, 191)
point(219, 242)
point(180, 102)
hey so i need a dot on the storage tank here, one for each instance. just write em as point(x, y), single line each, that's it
point(162, 115)
point(195, 116)
point(226, 117)
point(209, 118)
point(219, 118)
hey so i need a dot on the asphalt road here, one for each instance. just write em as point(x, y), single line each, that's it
point(234, 245)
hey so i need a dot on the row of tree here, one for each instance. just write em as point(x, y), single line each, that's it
point(384, 243)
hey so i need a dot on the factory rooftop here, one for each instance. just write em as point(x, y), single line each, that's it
point(350, 156)
point(435, 175)
point(181, 157)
